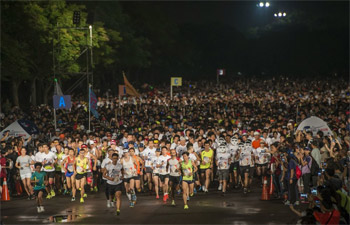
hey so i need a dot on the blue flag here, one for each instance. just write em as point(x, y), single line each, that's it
point(93, 103)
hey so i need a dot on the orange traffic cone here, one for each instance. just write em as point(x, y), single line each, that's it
point(272, 186)
point(5, 191)
point(19, 187)
point(265, 195)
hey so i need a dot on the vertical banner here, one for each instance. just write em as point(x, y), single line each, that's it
point(93, 103)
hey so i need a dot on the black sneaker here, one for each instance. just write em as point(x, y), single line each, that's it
point(245, 190)
point(29, 197)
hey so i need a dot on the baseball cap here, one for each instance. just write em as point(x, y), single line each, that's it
point(83, 146)
point(113, 142)
point(256, 133)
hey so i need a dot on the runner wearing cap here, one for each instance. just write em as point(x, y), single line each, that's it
point(188, 168)
point(129, 174)
point(174, 168)
point(207, 159)
point(164, 172)
point(113, 174)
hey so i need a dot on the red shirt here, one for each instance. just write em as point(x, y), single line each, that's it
point(324, 217)
point(3, 170)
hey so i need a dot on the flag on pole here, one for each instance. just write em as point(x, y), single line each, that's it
point(130, 90)
point(93, 103)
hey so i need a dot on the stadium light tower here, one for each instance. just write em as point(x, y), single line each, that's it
point(280, 14)
point(263, 4)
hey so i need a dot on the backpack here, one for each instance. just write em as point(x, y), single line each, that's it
point(314, 167)
point(297, 172)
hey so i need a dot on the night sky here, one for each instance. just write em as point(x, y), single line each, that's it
point(245, 14)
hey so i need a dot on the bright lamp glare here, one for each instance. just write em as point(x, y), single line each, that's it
point(279, 14)
point(267, 4)
point(284, 14)
point(275, 15)
point(261, 4)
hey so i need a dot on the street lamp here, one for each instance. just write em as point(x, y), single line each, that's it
point(280, 14)
point(267, 4)
point(261, 4)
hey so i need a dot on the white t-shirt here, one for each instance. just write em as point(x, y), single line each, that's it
point(155, 161)
point(180, 149)
point(174, 167)
point(114, 171)
point(147, 155)
point(163, 161)
point(245, 158)
point(233, 151)
point(39, 157)
point(223, 161)
point(105, 162)
point(263, 156)
point(49, 158)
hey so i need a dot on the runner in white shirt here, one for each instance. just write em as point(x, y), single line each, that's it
point(223, 160)
point(129, 173)
point(234, 166)
point(148, 154)
point(174, 167)
point(249, 147)
point(104, 163)
point(113, 175)
point(155, 168)
point(244, 157)
point(181, 147)
point(49, 161)
point(262, 158)
point(164, 172)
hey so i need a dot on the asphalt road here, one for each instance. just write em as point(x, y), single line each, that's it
point(210, 208)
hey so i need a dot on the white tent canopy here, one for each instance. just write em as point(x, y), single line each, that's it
point(315, 124)
point(20, 128)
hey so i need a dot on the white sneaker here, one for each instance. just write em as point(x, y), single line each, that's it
point(129, 196)
point(39, 209)
point(108, 203)
point(220, 187)
point(203, 188)
point(112, 204)
point(42, 208)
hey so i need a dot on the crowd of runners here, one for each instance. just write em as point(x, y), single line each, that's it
point(208, 138)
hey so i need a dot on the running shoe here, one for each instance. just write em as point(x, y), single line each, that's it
point(95, 189)
point(186, 207)
point(118, 212)
point(133, 197)
point(157, 197)
point(200, 188)
point(42, 209)
point(188, 198)
point(164, 198)
point(220, 187)
point(29, 197)
point(91, 189)
point(132, 204)
point(81, 200)
point(39, 209)
point(249, 190)
point(191, 195)
point(195, 191)
point(53, 194)
point(73, 199)
point(173, 202)
point(65, 192)
point(85, 195)
point(49, 196)
point(245, 190)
